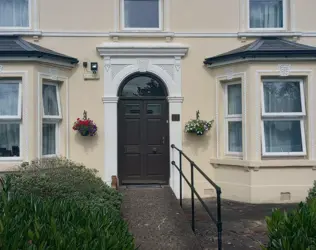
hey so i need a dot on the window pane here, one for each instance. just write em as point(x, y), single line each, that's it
point(235, 136)
point(266, 14)
point(154, 109)
point(132, 109)
point(9, 140)
point(49, 139)
point(141, 13)
point(234, 99)
point(50, 102)
point(142, 86)
point(282, 97)
point(283, 136)
point(9, 99)
point(14, 13)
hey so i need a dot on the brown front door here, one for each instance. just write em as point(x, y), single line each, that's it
point(143, 141)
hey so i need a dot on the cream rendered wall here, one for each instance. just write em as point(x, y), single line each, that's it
point(83, 95)
point(198, 89)
point(179, 16)
point(204, 15)
point(220, 19)
point(74, 15)
point(304, 15)
point(267, 179)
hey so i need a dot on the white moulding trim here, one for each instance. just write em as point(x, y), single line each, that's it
point(86, 33)
point(110, 99)
point(141, 34)
point(262, 33)
point(272, 59)
point(41, 60)
point(175, 99)
point(19, 32)
point(142, 49)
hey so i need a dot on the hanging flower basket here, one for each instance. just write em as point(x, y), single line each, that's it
point(197, 126)
point(85, 126)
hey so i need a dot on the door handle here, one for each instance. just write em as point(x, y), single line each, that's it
point(163, 140)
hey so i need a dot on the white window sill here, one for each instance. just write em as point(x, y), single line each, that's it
point(24, 32)
point(49, 156)
point(267, 33)
point(275, 163)
point(238, 155)
point(141, 33)
point(282, 154)
point(11, 159)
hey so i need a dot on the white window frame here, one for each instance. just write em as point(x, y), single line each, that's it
point(29, 27)
point(231, 118)
point(290, 116)
point(285, 19)
point(122, 19)
point(14, 119)
point(47, 119)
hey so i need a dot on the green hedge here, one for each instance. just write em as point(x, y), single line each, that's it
point(57, 204)
point(295, 230)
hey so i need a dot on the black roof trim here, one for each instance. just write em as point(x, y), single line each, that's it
point(14, 46)
point(265, 47)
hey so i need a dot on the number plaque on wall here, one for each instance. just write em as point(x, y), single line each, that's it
point(175, 117)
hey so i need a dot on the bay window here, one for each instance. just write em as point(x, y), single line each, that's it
point(10, 118)
point(233, 118)
point(283, 114)
point(266, 14)
point(141, 14)
point(14, 13)
point(51, 118)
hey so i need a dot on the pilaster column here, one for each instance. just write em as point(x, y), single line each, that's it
point(175, 107)
point(110, 133)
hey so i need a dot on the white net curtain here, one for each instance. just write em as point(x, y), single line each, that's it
point(9, 128)
point(266, 13)
point(14, 13)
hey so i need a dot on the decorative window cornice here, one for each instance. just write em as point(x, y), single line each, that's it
point(115, 49)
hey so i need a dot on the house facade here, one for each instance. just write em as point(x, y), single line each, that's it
point(142, 68)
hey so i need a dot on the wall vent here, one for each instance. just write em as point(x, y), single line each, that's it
point(285, 196)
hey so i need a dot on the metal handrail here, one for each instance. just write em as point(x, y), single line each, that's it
point(218, 219)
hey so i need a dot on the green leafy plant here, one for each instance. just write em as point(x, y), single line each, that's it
point(58, 204)
point(312, 192)
point(30, 222)
point(61, 178)
point(295, 230)
point(197, 126)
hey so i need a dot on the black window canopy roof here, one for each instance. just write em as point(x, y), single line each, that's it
point(265, 47)
point(14, 46)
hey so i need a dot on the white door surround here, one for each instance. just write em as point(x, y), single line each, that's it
point(124, 59)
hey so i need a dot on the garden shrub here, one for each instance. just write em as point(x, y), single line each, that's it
point(62, 178)
point(58, 204)
point(295, 230)
point(30, 222)
point(312, 192)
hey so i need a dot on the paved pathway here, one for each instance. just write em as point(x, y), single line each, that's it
point(244, 226)
point(156, 219)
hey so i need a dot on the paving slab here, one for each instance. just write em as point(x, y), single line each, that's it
point(156, 219)
point(244, 226)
